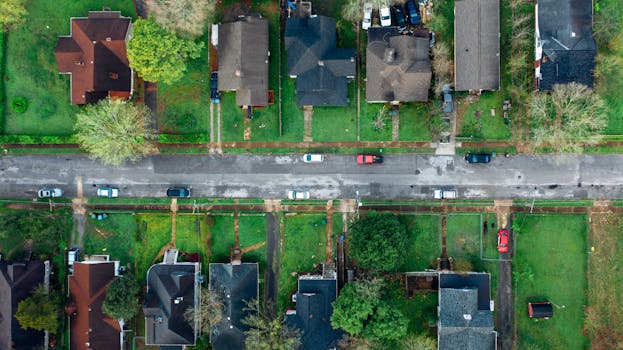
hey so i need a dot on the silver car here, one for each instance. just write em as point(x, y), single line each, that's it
point(298, 195)
point(50, 193)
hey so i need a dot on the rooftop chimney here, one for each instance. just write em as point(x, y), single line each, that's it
point(390, 54)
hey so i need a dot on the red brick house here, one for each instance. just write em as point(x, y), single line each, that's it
point(94, 54)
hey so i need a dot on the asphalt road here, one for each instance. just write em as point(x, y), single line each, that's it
point(401, 176)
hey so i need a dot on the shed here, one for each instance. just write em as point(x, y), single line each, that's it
point(540, 310)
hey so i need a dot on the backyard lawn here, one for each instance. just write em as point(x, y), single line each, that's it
point(463, 238)
point(550, 265)
point(479, 123)
point(31, 69)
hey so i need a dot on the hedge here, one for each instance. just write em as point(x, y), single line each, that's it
point(2, 74)
point(184, 138)
point(35, 139)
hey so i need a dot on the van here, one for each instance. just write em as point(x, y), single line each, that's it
point(445, 194)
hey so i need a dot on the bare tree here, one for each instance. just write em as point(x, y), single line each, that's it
point(418, 342)
point(379, 121)
point(520, 21)
point(210, 313)
point(442, 63)
point(186, 18)
point(266, 332)
point(352, 11)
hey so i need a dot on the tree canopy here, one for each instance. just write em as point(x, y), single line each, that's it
point(186, 18)
point(361, 309)
point(378, 242)
point(114, 131)
point(567, 117)
point(12, 14)
point(45, 229)
point(121, 298)
point(158, 55)
point(268, 333)
point(40, 311)
point(211, 311)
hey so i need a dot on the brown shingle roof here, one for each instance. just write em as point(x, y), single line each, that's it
point(90, 328)
point(398, 69)
point(95, 56)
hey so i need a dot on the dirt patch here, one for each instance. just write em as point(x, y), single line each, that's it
point(161, 253)
point(253, 247)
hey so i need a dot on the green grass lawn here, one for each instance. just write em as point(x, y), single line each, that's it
point(490, 236)
point(115, 236)
point(303, 251)
point(191, 234)
point(252, 230)
point(421, 310)
point(232, 119)
point(463, 237)
point(336, 123)
point(424, 241)
point(369, 112)
point(550, 265)
point(221, 238)
point(155, 233)
point(31, 69)
point(413, 122)
point(491, 127)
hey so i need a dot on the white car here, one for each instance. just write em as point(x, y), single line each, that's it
point(445, 194)
point(298, 194)
point(313, 158)
point(367, 16)
point(108, 192)
point(386, 17)
point(50, 193)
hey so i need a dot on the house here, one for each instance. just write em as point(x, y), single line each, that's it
point(17, 281)
point(565, 49)
point(321, 69)
point(235, 284)
point(243, 60)
point(89, 327)
point(312, 316)
point(476, 45)
point(172, 288)
point(398, 67)
point(540, 310)
point(94, 54)
point(465, 317)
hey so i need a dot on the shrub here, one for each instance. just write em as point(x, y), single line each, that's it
point(19, 104)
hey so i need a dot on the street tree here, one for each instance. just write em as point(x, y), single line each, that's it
point(211, 311)
point(378, 242)
point(158, 55)
point(186, 18)
point(114, 131)
point(121, 298)
point(568, 117)
point(266, 332)
point(40, 311)
point(12, 14)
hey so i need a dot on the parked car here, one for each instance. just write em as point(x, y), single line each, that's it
point(108, 192)
point(447, 99)
point(432, 39)
point(73, 255)
point(445, 194)
point(503, 241)
point(215, 96)
point(313, 158)
point(298, 194)
point(413, 15)
point(399, 16)
point(478, 157)
point(367, 16)
point(50, 192)
point(178, 192)
point(386, 18)
point(363, 159)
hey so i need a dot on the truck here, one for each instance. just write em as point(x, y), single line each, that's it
point(445, 194)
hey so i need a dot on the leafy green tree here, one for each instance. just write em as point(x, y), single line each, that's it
point(40, 311)
point(12, 14)
point(378, 242)
point(45, 229)
point(387, 323)
point(566, 118)
point(186, 18)
point(121, 298)
point(114, 131)
point(268, 333)
point(158, 55)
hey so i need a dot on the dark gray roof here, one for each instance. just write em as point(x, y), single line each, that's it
point(236, 285)
point(465, 320)
point(171, 290)
point(17, 281)
point(477, 45)
point(397, 68)
point(243, 60)
point(314, 308)
point(566, 37)
point(321, 68)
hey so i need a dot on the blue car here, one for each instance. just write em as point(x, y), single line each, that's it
point(413, 14)
point(215, 96)
point(478, 157)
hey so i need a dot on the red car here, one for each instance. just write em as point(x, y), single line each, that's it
point(502, 241)
point(363, 159)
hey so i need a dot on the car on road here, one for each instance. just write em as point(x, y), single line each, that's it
point(503, 241)
point(178, 192)
point(412, 13)
point(313, 158)
point(215, 96)
point(108, 192)
point(399, 16)
point(448, 107)
point(445, 194)
point(298, 194)
point(50, 192)
point(386, 18)
point(478, 157)
point(363, 159)
point(367, 16)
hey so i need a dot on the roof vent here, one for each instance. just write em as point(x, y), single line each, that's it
point(390, 54)
point(467, 317)
point(573, 34)
point(113, 75)
point(321, 63)
point(238, 73)
point(108, 38)
point(79, 62)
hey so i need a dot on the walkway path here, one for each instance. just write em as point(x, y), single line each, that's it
point(395, 126)
point(78, 205)
point(329, 234)
point(273, 237)
point(505, 280)
point(308, 112)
